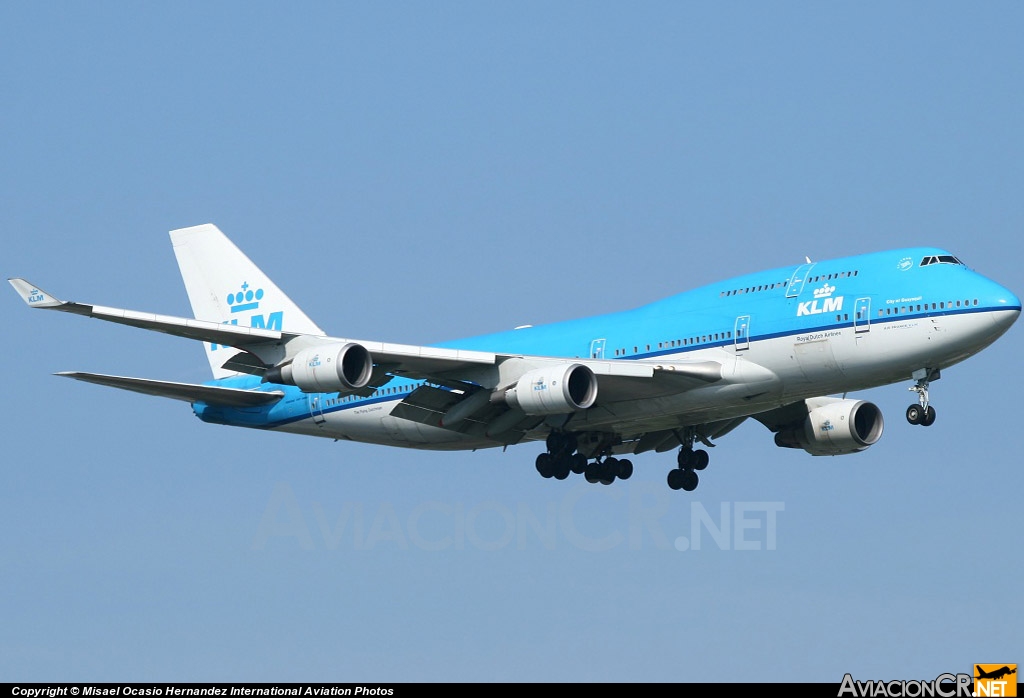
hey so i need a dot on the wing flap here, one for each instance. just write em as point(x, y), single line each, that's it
point(660, 380)
point(429, 405)
point(189, 392)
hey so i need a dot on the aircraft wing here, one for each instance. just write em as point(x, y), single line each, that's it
point(271, 347)
point(262, 348)
point(189, 392)
point(213, 332)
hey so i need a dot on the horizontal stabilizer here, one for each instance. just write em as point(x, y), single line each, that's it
point(189, 392)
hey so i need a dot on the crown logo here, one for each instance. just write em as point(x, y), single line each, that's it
point(825, 291)
point(246, 299)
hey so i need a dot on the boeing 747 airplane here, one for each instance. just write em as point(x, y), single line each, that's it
point(672, 375)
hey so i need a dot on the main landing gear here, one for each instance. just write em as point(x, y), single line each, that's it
point(685, 477)
point(562, 458)
point(922, 413)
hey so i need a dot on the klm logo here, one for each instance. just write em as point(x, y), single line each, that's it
point(247, 299)
point(539, 384)
point(827, 426)
point(823, 302)
point(36, 296)
point(315, 361)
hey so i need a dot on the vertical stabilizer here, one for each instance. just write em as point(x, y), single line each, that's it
point(225, 286)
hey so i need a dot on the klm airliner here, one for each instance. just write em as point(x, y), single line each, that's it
point(682, 372)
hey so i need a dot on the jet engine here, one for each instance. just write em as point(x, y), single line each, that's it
point(555, 390)
point(337, 368)
point(834, 427)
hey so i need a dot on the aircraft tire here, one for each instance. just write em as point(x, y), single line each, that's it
point(625, 469)
point(675, 479)
point(579, 463)
point(563, 466)
point(700, 459)
point(545, 466)
point(690, 480)
point(609, 469)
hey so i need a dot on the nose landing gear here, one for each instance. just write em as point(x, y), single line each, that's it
point(922, 413)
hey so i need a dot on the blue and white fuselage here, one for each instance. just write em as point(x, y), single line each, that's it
point(820, 328)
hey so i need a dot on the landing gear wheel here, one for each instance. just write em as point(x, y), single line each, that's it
point(929, 417)
point(699, 459)
point(608, 470)
point(689, 480)
point(559, 441)
point(579, 463)
point(675, 479)
point(685, 458)
point(625, 469)
point(562, 466)
point(915, 414)
point(545, 465)
point(592, 473)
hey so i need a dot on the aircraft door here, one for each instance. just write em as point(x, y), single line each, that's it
point(742, 333)
point(316, 408)
point(796, 282)
point(597, 349)
point(862, 315)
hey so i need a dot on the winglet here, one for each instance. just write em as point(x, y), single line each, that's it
point(33, 295)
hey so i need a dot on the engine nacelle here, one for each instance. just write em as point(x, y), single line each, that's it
point(554, 390)
point(834, 428)
point(338, 368)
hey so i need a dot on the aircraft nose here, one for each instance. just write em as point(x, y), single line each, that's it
point(1007, 306)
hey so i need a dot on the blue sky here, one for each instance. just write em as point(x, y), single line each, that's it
point(416, 172)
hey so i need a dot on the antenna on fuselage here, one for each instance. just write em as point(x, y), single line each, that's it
point(808, 260)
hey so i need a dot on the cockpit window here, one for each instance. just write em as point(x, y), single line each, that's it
point(940, 259)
